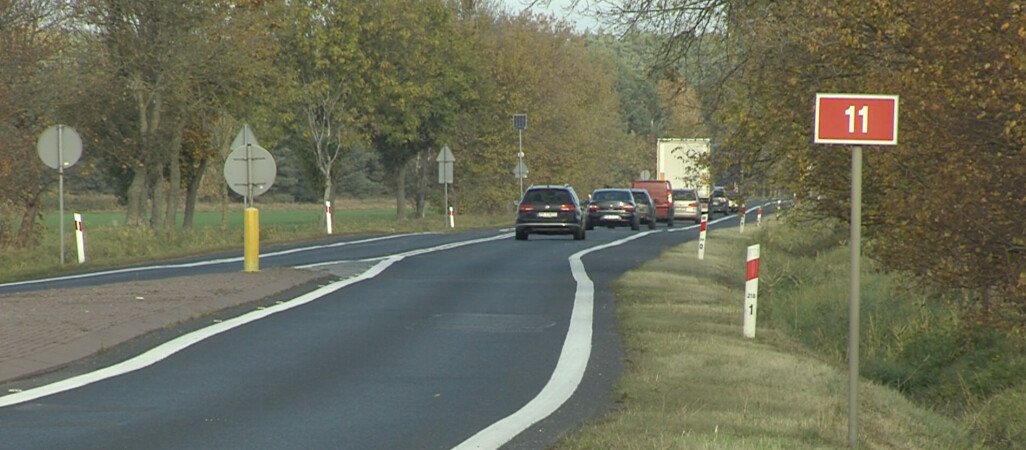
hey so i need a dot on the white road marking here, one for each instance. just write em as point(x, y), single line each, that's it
point(573, 360)
point(176, 345)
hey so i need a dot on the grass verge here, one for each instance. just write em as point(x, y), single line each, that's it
point(693, 381)
point(109, 243)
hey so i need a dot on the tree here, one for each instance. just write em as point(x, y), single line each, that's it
point(417, 84)
point(33, 72)
point(174, 61)
point(944, 206)
point(323, 52)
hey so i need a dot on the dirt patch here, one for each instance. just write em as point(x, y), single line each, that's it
point(42, 330)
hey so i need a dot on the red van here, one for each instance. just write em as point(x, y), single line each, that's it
point(662, 195)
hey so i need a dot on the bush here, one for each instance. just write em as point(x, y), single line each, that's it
point(923, 345)
point(1001, 422)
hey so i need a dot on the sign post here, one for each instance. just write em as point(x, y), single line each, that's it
point(855, 119)
point(520, 124)
point(250, 171)
point(445, 166)
point(60, 147)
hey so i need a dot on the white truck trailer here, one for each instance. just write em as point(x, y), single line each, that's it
point(685, 162)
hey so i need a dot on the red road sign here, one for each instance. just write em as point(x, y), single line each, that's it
point(856, 119)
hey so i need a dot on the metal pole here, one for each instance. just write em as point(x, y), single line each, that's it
point(853, 304)
point(249, 176)
point(445, 181)
point(520, 158)
point(60, 182)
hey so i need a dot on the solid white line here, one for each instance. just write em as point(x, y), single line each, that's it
point(569, 371)
point(176, 345)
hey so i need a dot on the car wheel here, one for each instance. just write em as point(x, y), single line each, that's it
point(669, 221)
point(589, 226)
point(651, 223)
point(521, 235)
point(579, 234)
point(636, 223)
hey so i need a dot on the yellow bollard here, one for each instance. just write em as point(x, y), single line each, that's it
point(252, 236)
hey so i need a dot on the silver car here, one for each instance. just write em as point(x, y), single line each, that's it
point(686, 205)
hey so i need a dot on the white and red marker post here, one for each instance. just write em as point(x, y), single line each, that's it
point(758, 217)
point(743, 214)
point(327, 214)
point(80, 238)
point(452, 218)
point(701, 236)
point(751, 291)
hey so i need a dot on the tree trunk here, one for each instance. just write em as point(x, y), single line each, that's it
point(423, 163)
point(28, 223)
point(192, 193)
point(400, 193)
point(175, 179)
point(157, 196)
point(136, 199)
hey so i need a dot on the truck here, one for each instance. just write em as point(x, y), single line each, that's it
point(685, 163)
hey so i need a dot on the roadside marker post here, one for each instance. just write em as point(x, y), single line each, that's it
point(452, 217)
point(80, 238)
point(701, 237)
point(743, 214)
point(758, 217)
point(856, 120)
point(327, 214)
point(751, 291)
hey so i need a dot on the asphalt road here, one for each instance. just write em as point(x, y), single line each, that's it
point(448, 339)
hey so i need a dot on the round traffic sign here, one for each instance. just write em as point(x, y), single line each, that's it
point(59, 146)
point(250, 166)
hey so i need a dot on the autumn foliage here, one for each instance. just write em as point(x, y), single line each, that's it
point(946, 205)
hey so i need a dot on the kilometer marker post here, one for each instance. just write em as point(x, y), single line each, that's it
point(751, 291)
point(701, 237)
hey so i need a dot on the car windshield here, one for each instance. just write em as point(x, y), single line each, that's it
point(640, 195)
point(684, 194)
point(549, 196)
point(602, 196)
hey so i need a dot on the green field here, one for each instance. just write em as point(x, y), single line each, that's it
point(109, 242)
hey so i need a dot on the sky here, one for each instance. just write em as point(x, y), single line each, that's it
point(557, 8)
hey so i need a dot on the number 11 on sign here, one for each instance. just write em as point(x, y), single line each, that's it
point(863, 114)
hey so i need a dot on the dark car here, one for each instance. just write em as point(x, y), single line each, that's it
point(718, 202)
point(550, 210)
point(646, 208)
point(613, 208)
